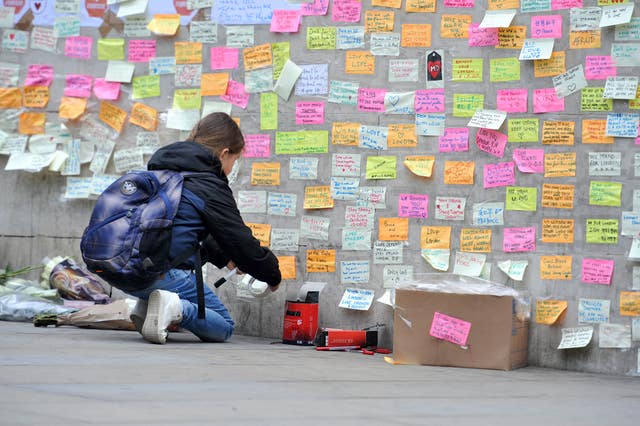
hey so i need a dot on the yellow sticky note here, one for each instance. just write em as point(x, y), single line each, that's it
point(555, 267)
point(36, 96)
point(558, 132)
point(214, 84)
point(111, 49)
point(318, 197)
point(592, 100)
point(511, 37)
point(32, 123)
point(466, 104)
point(287, 265)
point(265, 174)
point(188, 52)
point(466, 69)
point(459, 172)
point(435, 237)
point(602, 231)
point(71, 108)
point(387, 3)
point(187, 99)
point(402, 136)
point(420, 165)
point(261, 232)
point(321, 260)
point(420, 6)
point(112, 115)
point(164, 24)
point(415, 35)
point(257, 57)
point(455, 26)
point(321, 38)
point(559, 164)
point(605, 193)
point(549, 311)
point(345, 133)
point(630, 303)
point(522, 198)
point(378, 21)
point(144, 116)
point(504, 69)
point(584, 39)
point(10, 97)
point(551, 67)
point(594, 131)
point(381, 167)
point(523, 129)
point(503, 4)
point(475, 240)
point(359, 62)
point(393, 229)
point(557, 231)
point(556, 196)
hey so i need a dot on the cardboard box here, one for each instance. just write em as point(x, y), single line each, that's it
point(497, 339)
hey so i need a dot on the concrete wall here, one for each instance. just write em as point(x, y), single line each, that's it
point(36, 220)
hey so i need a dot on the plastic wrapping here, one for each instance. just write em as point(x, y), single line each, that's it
point(74, 282)
point(113, 316)
point(21, 307)
point(29, 288)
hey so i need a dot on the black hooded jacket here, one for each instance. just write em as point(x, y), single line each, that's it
point(208, 213)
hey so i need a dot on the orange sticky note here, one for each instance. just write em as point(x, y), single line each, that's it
point(511, 37)
point(359, 62)
point(416, 35)
point(630, 303)
point(475, 240)
point(10, 97)
point(402, 136)
point(321, 260)
point(555, 267)
point(72, 108)
point(164, 24)
point(144, 116)
point(287, 265)
point(559, 164)
point(558, 132)
point(435, 237)
point(214, 84)
point(265, 174)
point(36, 96)
point(594, 131)
point(112, 115)
point(584, 39)
point(345, 134)
point(551, 67)
point(503, 4)
point(455, 26)
point(318, 197)
point(188, 52)
point(549, 311)
point(420, 6)
point(557, 231)
point(261, 232)
point(459, 172)
point(387, 3)
point(32, 123)
point(257, 57)
point(378, 21)
point(393, 229)
point(555, 196)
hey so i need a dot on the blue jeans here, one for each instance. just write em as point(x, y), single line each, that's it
point(217, 325)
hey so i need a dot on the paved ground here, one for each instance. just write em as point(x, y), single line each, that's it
point(71, 376)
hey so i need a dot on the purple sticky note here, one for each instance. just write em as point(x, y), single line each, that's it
point(78, 47)
point(257, 146)
point(224, 58)
point(413, 205)
point(315, 8)
point(491, 141)
point(499, 174)
point(459, 3)
point(599, 67)
point(285, 21)
point(454, 139)
point(529, 160)
point(371, 100)
point(479, 37)
point(106, 90)
point(39, 75)
point(78, 85)
point(309, 113)
point(346, 10)
point(141, 50)
point(597, 271)
point(236, 94)
point(519, 240)
point(430, 100)
point(546, 100)
point(449, 328)
point(512, 100)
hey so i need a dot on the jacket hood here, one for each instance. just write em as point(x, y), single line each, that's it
point(185, 156)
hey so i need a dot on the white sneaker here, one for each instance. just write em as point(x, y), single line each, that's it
point(164, 309)
point(138, 314)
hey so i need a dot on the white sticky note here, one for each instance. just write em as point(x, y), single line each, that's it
point(497, 18)
point(614, 336)
point(288, 77)
point(182, 119)
point(620, 88)
point(575, 337)
point(514, 268)
point(487, 119)
point(569, 82)
point(216, 106)
point(437, 258)
point(634, 250)
point(396, 275)
point(536, 48)
point(119, 71)
point(357, 298)
point(469, 264)
point(616, 14)
point(78, 187)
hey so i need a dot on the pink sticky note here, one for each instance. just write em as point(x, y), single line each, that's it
point(39, 75)
point(371, 100)
point(597, 271)
point(346, 10)
point(454, 139)
point(529, 160)
point(431, 100)
point(459, 3)
point(78, 85)
point(224, 58)
point(519, 240)
point(309, 112)
point(546, 100)
point(285, 21)
point(106, 90)
point(599, 67)
point(565, 4)
point(499, 174)
point(546, 26)
point(482, 36)
point(78, 47)
point(491, 141)
point(451, 329)
point(512, 100)
point(316, 8)
point(257, 146)
point(236, 94)
point(141, 50)
point(413, 205)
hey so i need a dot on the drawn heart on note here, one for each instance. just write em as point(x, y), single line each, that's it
point(393, 99)
point(12, 36)
point(37, 5)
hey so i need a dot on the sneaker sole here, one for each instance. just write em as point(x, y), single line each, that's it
point(151, 330)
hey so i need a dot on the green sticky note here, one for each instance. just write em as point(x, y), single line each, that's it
point(591, 100)
point(523, 129)
point(602, 231)
point(605, 193)
point(504, 69)
point(111, 49)
point(187, 99)
point(146, 86)
point(522, 198)
point(466, 104)
point(381, 167)
point(268, 111)
point(302, 142)
point(466, 69)
point(280, 53)
point(319, 38)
